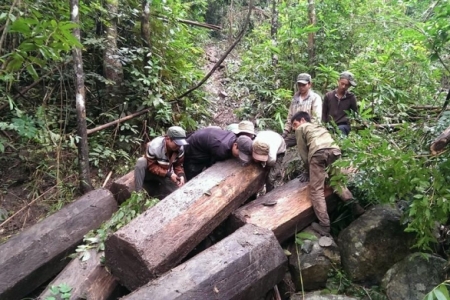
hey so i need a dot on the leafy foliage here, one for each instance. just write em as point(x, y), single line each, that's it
point(60, 292)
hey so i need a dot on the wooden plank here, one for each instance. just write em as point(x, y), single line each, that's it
point(160, 238)
point(244, 265)
point(40, 252)
point(292, 211)
point(88, 279)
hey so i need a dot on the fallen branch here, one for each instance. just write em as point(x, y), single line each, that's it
point(98, 128)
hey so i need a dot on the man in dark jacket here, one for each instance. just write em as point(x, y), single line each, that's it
point(339, 102)
point(207, 146)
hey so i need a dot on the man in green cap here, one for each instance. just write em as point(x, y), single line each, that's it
point(162, 162)
point(339, 102)
point(304, 100)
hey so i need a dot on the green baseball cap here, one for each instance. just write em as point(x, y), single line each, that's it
point(304, 78)
point(178, 135)
point(349, 76)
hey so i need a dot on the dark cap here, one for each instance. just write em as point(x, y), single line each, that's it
point(349, 76)
point(244, 144)
point(178, 135)
point(304, 78)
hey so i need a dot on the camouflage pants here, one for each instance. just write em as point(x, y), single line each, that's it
point(276, 174)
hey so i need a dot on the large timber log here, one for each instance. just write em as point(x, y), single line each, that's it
point(293, 210)
point(440, 142)
point(244, 265)
point(40, 252)
point(88, 279)
point(123, 187)
point(160, 238)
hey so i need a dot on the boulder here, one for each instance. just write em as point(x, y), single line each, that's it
point(317, 258)
point(373, 243)
point(414, 276)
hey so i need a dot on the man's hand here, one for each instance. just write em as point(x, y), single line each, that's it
point(304, 177)
point(285, 134)
point(180, 181)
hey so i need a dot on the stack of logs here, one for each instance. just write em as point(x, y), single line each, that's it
point(148, 256)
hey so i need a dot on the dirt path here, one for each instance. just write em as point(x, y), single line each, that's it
point(222, 105)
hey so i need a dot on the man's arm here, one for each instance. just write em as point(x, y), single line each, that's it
point(317, 109)
point(325, 109)
point(353, 105)
point(178, 166)
point(155, 168)
point(288, 125)
point(302, 146)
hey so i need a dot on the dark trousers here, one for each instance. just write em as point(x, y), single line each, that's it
point(192, 169)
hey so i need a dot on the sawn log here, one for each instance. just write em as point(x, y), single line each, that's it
point(293, 210)
point(34, 256)
point(244, 265)
point(160, 238)
point(88, 279)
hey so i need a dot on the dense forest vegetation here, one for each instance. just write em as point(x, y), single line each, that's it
point(143, 56)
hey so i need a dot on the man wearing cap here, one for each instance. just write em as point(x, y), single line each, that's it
point(207, 146)
point(243, 128)
point(304, 100)
point(163, 162)
point(318, 151)
point(269, 148)
point(339, 102)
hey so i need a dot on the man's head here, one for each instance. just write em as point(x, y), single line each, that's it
point(242, 148)
point(260, 151)
point(175, 138)
point(299, 118)
point(245, 128)
point(303, 83)
point(346, 79)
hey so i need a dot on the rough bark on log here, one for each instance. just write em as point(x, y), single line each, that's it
point(39, 253)
point(292, 211)
point(244, 265)
point(440, 142)
point(159, 239)
point(88, 279)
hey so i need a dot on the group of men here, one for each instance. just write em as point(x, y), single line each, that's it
point(174, 159)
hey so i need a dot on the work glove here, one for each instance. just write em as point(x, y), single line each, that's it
point(304, 177)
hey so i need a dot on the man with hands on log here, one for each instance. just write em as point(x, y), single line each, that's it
point(318, 151)
point(163, 162)
point(208, 145)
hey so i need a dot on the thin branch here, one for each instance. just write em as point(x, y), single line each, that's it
point(136, 114)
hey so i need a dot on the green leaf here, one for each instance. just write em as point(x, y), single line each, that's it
point(32, 71)
point(441, 292)
point(64, 288)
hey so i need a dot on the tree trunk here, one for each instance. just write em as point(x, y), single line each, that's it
point(112, 67)
point(292, 212)
point(34, 256)
point(311, 35)
point(274, 31)
point(245, 265)
point(83, 147)
point(159, 239)
point(145, 29)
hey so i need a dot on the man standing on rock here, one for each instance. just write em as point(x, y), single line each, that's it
point(207, 146)
point(163, 162)
point(304, 100)
point(318, 151)
point(339, 102)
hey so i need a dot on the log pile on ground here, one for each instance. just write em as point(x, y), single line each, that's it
point(159, 239)
point(40, 252)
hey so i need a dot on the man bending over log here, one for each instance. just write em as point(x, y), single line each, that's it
point(163, 162)
point(268, 148)
point(318, 151)
point(207, 146)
